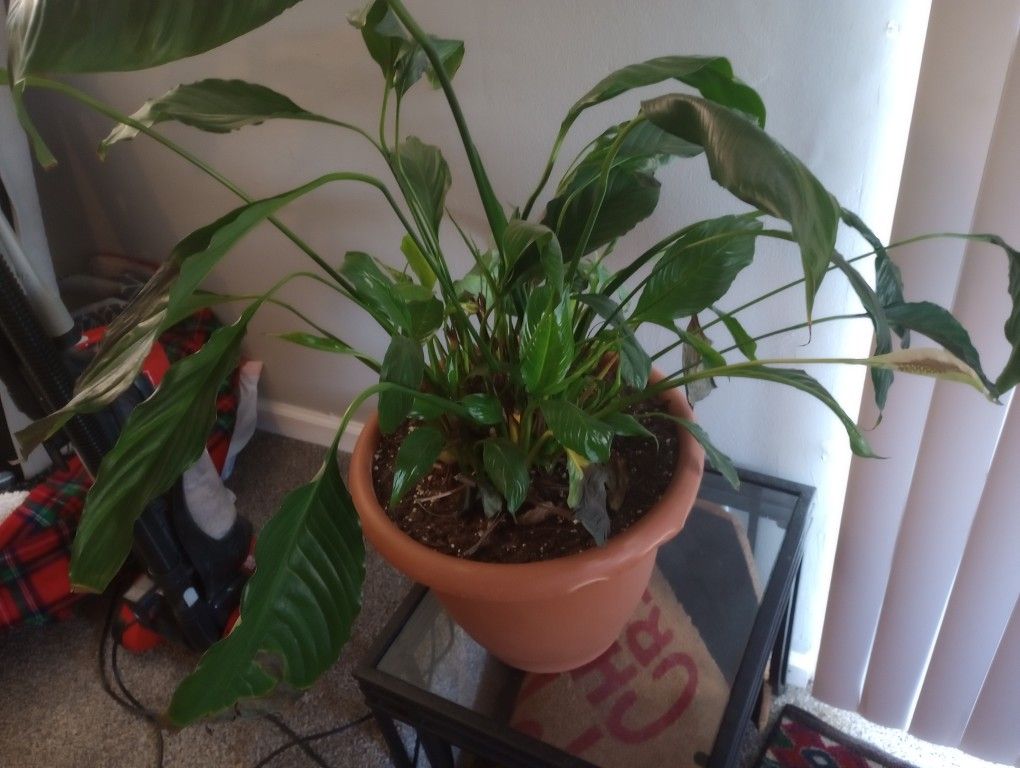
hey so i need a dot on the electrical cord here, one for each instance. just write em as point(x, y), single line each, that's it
point(130, 703)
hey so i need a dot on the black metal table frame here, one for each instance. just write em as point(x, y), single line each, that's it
point(441, 724)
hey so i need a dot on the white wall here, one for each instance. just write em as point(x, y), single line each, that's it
point(838, 79)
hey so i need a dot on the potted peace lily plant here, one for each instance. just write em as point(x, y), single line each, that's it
point(527, 457)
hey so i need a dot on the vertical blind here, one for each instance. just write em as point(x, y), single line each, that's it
point(922, 630)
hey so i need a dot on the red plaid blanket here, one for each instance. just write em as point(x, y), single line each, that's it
point(35, 540)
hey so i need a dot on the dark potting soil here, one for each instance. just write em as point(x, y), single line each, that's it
point(443, 513)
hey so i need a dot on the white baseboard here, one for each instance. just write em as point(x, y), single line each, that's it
point(305, 424)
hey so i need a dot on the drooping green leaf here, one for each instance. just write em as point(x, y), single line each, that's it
point(415, 457)
point(403, 364)
point(162, 437)
point(756, 169)
point(416, 260)
point(519, 238)
point(591, 510)
point(626, 425)
point(424, 177)
point(117, 35)
point(577, 430)
point(484, 408)
point(806, 383)
point(547, 351)
point(425, 312)
point(888, 279)
point(712, 76)
point(507, 467)
point(697, 270)
point(409, 307)
point(217, 106)
point(630, 198)
point(297, 609)
point(635, 364)
point(881, 378)
point(163, 302)
point(328, 344)
point(940, 326)
point(1010, 375)
point(413, 63)
point(722, 463)
point(741, 337)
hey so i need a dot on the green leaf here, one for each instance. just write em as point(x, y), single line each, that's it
point(940, 326)
point(722, 463)
point(697, 270)
point(328, 344)
point(888, 279)
point(425, 312)
point(162, 437)
point(218, 106)
point(547, 352)
point(164, 301)
point(1010, 375)
point(419, 265)
point(298, 608)
point(711, 75)
point(630, 198)
point(403, 364)
point(881, 378)
point(119, 35)
point(635, 364)
point(415, 458)
point(411, 308)
point(805, 383)
point(591, 509)
point(578, 431)
point(507, 467)
point(741, 337)
point(756, 169)
point(484, 408)
point(626, 425)
point(401, 59)
point(425, 178)
point(518, 239)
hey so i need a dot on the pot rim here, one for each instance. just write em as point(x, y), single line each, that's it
point(539, 579)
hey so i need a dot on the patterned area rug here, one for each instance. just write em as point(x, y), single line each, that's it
point(800, 740)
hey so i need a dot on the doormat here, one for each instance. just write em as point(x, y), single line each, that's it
point(800, 740)
point(654, 698)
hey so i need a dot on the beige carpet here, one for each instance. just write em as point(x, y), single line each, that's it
point(54, 714)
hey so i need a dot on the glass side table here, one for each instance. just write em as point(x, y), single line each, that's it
point(733, 569)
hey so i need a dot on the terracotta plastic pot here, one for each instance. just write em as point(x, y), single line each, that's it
point(549, 616)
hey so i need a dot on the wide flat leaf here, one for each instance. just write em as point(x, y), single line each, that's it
point(711, 75)
point(635, 364)
point(402, 60)
point(756, 169)
point(626, 425)
point(218, 106)
point(741, 338)
point(164, 301)
point(524, 244)
point(415, 457)
point(805, 383)
point(403, 364)
point(507, 468)
point(697, 270)
point(577, 430)
point(484, 408)
point(940, 326)
point(424, 177)
point(162, 437)
point(547, 352)
point(888, 279)
point(119, 35)
point(630, 198)
point(328, 344)
point(297, 609)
